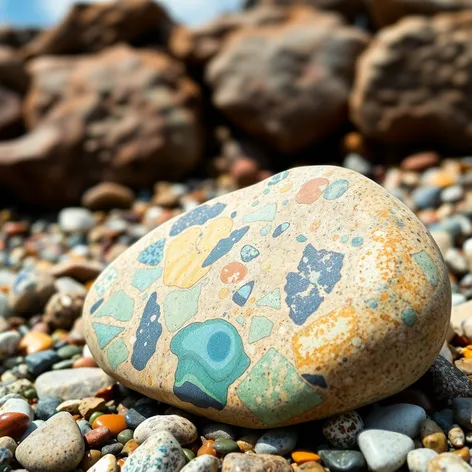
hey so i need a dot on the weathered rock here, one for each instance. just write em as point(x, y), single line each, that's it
point(386, 12)
point(406, 93)
point(13, 73)
point(146, 129)
point(181, 428)
point(63, 309)
point(107, 195)
point(93, 27)
point(281, 85)
point(267, 258)
point(448, 462)
point(237, 462)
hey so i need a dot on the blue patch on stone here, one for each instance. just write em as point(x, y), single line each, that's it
point(224, 246)
point(96, 306)
point(189, 392)
point(147, 334)
point(197, 217)
point(243, 294)
point(278, 178)
point(248, 253)
point(153, 254)
point(318, 273)
point(280, 229)
point(316, 380)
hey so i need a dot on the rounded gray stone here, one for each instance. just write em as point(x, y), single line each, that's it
point(277, 441)
point(181, 428)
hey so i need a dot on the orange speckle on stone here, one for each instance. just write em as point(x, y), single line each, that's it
point(285, 188)
point(115, 423)
point(311, 191)
point(149, 381)
point(207, 448)
point(301, 456)
point(121, 462)
point(88, 285)
point(223, 293)
point(34, 341)
point(233, 273)
point(467, 352)
point(315, 226)
point(335, 237)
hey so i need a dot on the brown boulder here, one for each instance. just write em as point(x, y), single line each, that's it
point(13, 74)
point(386, 12)
point(123, 116)
point(413, 82)
point(95, 26)
point(287, 85)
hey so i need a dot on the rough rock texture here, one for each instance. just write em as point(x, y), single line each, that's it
point(123, 116)
point(275, 304)
point(413, 82)
point(386, 12)
point(287, 85)
point(93, 27)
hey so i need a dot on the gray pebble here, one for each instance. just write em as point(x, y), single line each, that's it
point(343, 461)
point(418, 459)
point(181, 428)
point(46, 407)
point(113, 449)
point(205, 463)
point(218, 430)
point(277, 441)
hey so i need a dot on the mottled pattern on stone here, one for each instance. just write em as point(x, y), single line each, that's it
point(197, 217)
point(153, 254)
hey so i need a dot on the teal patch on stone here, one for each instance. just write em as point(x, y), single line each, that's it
point(153, 254)
point(427, 266)
point(266, 213)
point(336, 189)
point(265, 230)
point(266, 191)
point(409, 317)
point(301, 238)
point(372, 303)
point(105, 280)
point(117, 353)
point(357, 242)
point(144, 278)
point(261, 327)
point(344, 239)
point(272, 299)
point(255, 203)
point(241, 320)
point(274, 392)
point(248, 253)
point(105, 333)
point(180, 306)
point(119, 306)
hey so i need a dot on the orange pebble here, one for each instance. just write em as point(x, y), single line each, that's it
point(207, 448)
point(115, 423)
point(467, 352)
point(84, 362)
point(35, 341)
point(107, 393)
point(463, 453)
point(301, 456)
point(121, 462)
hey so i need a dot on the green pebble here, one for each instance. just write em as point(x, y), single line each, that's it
point(125, 436)
point(189, 454)
point(94, 416)
point(66, 364)
point(30, 394)
point(5, 468)
point(67, 352)
point(225, 446)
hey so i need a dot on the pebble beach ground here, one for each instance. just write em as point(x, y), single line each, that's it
point(60, 412)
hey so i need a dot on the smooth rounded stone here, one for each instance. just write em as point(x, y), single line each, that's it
point(70, 286)
point(58, 446)
point(277, 441)
point(462, 412)
point(9, 341)
point(448, 462)
point(205, 463)
point(301, 293)
point(443, 418)
point(456, 436)
point(343, 461)
point(401, 418)
point(452, 194)
point(84, 426)
point(217, 431)
point(8, 443)
point(107, 195)
point(237, 462)
point(76, 220)
point(426, 197)
point(225, 446)
point(134, 418)
point(10, 396)
point(71, 406)
point(17, 405)
point(384, 451)
point(161, 452)
point(342, 430)
point(418, 459)
point(107, 463)
point(433, 437)
point(114, 449)
point(181, 428)
point(70, 384)
point(139, 413)
point(6, 456)
point(5, 311)
point(32, 427)
point(46, 407)
point(40, 362)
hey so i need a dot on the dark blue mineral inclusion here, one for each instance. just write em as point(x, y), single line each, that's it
point(224, 246)
point(196, 217)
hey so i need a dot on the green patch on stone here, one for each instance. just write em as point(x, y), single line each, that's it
point(271, 299)
point(117, 353)
point(427, 266)
point(261, 327)
point(119, 306)
point(105, 333)
point(274, 392)
point(409, 316)
point(143, 278)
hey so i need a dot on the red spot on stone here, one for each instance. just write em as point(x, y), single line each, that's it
point(311, 191)
point(233, 272)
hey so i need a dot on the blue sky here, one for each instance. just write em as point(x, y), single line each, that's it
point(48, 12)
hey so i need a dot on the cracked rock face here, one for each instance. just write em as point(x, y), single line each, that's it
point(413, 83)
point(287, 85)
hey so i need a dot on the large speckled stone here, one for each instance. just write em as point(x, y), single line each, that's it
point(275, 304)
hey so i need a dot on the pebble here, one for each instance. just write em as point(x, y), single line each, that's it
point(63, 309)
point(161, 452)
point(46, 407)
point(71, 406)
point(76, 220)
point(277, 441)
point(9, 341)
point(302, 456)
point(17, 405)
point(107, 463)
point(97, 437)
point(6, 456)
point(114, 449)
point(70, 286)
point(384, 451)
point(14, 424)
point(343, 461)
point(134, 418)
point(115, 423)
point(207, 448)
point(400, 418)
point(70, 384)
point(90, 458)
point(90, 405)
point(58, 446)
point(125, 436)
point(181, 428)
point(34, 342)
point(8, 443)
point(456, 436)
point(32, 427)
point(41, 362)
point(444, 418)
point(433, 437)
point(418, 459)
point(448, 462)
point(84, 426)
point(237, 462)
point(342, 430)
point(204, 463)
point(108, 195)
point(426, 197)
point(218, 430)
point(462, 412)
point(225, 446)
point(131, 446)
